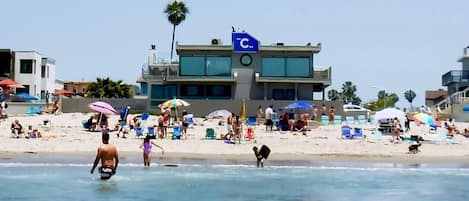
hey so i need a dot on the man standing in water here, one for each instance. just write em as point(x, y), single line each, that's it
point(107, 153)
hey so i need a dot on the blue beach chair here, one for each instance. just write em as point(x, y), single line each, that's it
point(151, 132)
point(252, 121)
point(346, 132)
point(325, 120)
point(210, 133)
point(139, 132)
point(177, 132)
point(31, 110)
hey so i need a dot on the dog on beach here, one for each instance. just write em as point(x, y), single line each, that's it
point(414, 148)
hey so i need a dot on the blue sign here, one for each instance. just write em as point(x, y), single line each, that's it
point(243, 42)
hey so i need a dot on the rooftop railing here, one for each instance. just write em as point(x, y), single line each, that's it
point(455, 76)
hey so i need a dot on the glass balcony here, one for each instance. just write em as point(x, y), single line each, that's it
point(455, 76)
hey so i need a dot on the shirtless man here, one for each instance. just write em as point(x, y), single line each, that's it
point(107, 153)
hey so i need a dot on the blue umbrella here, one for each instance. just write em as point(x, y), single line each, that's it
point(26, 96)
point(299, 106)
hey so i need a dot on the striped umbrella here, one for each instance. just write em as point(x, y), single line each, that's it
point(176, 102)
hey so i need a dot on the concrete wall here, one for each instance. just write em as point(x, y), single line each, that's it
point(81, 104)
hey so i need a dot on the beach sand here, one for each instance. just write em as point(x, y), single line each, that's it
point(67, 138)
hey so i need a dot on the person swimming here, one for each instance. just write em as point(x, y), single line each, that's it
point(147, 146)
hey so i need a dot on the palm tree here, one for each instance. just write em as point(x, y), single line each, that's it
point(333, 95)
point(348, 91)
point(176, 13)
point(409, 96)
point(106, 88)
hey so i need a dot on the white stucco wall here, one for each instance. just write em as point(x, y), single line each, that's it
point(34, 80)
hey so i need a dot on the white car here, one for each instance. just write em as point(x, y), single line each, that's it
point(354, 108)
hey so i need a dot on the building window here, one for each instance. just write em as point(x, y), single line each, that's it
point(192, 66)
point(163, 91)
point(26, 66)
point(143, 88)
point(205, 65)
point(298, 67)
point(273, 67)
point(43, 71)
point(23, 90)
point(283, 94)
point(218, 91)
point(192, 91)
point(220, 66)
point(286, 67)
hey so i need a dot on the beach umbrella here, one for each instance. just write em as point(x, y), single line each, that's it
point(175, 102)
point(299, 107)
point(25, 96)
point(427, 119)
point(18, 86)
point(7, 82)
point(390, 113)
point(219, 113)
point(102, 107)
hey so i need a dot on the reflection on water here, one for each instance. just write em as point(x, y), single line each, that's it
point(107, 186)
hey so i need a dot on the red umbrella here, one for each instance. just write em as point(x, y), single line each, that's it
point(8, 82)
point(63, 92)
point(18, 86)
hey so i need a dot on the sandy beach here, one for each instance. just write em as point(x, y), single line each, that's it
point(66, 137)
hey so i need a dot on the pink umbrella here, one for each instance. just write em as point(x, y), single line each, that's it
point(102, 107)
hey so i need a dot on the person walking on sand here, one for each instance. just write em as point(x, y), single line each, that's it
point(107, 154)
point(268, 118)
point(260, 115)
point(146, 146)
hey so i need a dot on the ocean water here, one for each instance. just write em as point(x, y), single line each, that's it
point(236, 181)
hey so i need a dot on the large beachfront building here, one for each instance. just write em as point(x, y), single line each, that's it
point(29, 68)
point(458, 80)
point(241, 70)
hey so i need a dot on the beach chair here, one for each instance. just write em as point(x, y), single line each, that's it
point(377, 134)
point(210, 133)
point(361, 119)
point(350, 120)
point(31, 110)
point(357, 132)
point(250, 133)
point(325, 120)
point(346, 132)
point(151, 132)
point(138, 132)
point(251, 121)
point(337, 120)
point(190, 120)
point(177, 132)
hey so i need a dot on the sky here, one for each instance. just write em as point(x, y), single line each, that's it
point(377, 44)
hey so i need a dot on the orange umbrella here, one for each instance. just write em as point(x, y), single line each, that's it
point(16, 86)
point(8, 82)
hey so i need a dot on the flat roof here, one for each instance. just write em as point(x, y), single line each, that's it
point(262, 48)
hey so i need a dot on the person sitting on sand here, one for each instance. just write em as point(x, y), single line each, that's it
point(36, 134)
point(146, 147)
point(16, 128)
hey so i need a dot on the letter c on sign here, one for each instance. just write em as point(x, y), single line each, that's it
point(243, 43)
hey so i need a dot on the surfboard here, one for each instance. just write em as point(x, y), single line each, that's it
point(264, 152)
point(171, 165)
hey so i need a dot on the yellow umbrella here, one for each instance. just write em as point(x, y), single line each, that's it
point(242, 114)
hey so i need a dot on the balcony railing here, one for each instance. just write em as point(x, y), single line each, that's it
point(455, 76)
point(171, 72)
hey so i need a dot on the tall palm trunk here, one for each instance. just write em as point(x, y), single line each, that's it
point(172, 43)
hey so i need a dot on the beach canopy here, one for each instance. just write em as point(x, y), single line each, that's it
point(390, 113)
point(219, 114)
point(102, 107)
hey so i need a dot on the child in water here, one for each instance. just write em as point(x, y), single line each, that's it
point(146, 146)
point(259, 157)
